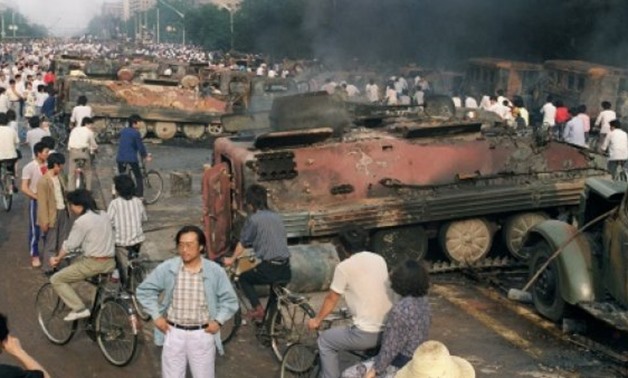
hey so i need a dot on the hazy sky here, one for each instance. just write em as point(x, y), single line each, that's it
point(60, 16)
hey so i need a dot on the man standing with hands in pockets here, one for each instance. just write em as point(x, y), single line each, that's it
point(197, 299)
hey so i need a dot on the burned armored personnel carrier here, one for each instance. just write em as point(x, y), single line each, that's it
point(166, 109)
point(406, 180)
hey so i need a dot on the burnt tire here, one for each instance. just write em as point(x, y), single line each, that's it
point(546, 294)
point(400, 243)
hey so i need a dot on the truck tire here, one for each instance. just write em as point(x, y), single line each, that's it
point(546, 294)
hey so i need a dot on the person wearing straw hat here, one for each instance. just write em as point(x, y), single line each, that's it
point(432, 360)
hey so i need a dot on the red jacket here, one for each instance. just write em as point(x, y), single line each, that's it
point(562, 115)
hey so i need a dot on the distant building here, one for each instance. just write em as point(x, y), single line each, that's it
point(113, 8)
point(220, 3)
point(130, 7)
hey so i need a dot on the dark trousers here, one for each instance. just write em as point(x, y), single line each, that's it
point(265, 273)
point(137, 173)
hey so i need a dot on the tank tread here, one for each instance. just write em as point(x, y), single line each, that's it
point(487, 263)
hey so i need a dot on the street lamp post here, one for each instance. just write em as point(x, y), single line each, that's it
point(231, 6)
point(178, 13)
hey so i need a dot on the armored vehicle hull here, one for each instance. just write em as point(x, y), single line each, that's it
point(405, 182)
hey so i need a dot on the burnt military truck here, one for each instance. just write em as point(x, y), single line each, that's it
point(591, 272)
point(406, 180)
point(165, 109)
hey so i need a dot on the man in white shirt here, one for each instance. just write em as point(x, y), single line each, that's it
point(80, 111)
point(363, 280)
point(38, 130)
point(5, 104)
point(81, 145)
point(617, 144)
point(329, 86)
point(9, 143)
point(470, 102)
point(574, 130)
point(602, 123)
point(372, 91)
point(549, 113)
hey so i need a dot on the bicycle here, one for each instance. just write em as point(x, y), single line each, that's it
point(59, 131)
point(620, 171)
point(135, 274)
point(79, 174)
point(153, 183)
point(303, 359)
point(285, 317)
point(7, 186)
point(112, 323)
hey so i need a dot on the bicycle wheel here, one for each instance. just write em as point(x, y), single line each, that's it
point(230, 327)
point(80, 180)
point(300, 360)
point(153, 187)
point(288, 325)
point(137, 276)
point(7, 192)
point(50, 313)
point(116, 332)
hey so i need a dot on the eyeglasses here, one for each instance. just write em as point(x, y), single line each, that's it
point(186, 245)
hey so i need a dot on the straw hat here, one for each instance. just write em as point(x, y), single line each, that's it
point(432, 360)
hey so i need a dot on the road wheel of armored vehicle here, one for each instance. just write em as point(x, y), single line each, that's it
point(165, 130)
point(399, 243)
point(194, 131)
point(466, 241)
point(215, 129)
point(546, 290)
point(516, 227)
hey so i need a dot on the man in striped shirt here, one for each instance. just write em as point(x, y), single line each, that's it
point(265, 233)
point(127, 214)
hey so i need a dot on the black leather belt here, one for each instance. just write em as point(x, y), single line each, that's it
point(278, 262)
point(188, 328)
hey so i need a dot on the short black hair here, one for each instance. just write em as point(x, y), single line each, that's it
point(39, 147)
point(354, 238)
point(55, 158)
point(11, 115)
point(82, 100)
point(256, 196)
point(133, 119)
point(4, 120)
point(34, 122)
point(550, 98)
point(558, 103)
point(410, 278)
point(582, 108)
point(83, 197)
point(615, 123)
point(200, 235)
point(125, 186)
point(606, 105)
point(87, 121)
point(4, 327)
point(49, 142)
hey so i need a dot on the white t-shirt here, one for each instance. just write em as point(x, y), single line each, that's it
point(603, 120)
point(79, 112)
point(32, 172)
point(363, 280)
point(617, 143)
point(470, 102)
point(34, 136)
point(372, 92)
point(549, 114)
point(9, 142)
point(82, 137)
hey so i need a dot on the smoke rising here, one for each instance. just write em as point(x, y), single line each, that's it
point(442, 33)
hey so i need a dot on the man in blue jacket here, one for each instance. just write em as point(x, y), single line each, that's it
point(197, 299)
point(129, 146)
